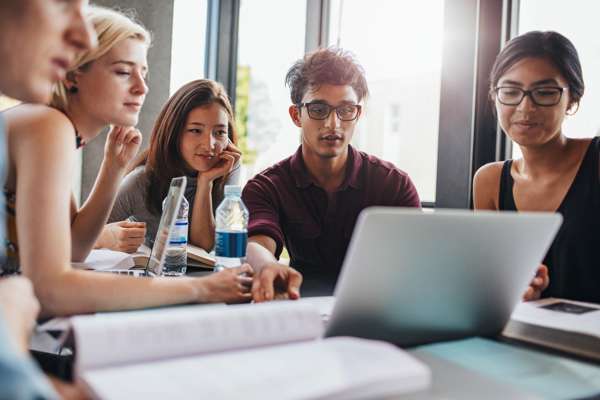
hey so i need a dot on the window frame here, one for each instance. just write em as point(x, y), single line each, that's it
point(469, 135)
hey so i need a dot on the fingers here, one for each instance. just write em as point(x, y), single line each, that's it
point(235, 155)
point(529, 294)
point(294, 279)
point(542, 278)
point(262, 286)
point(226, 163)
point(114, 136)
point(130, 224)
point(132, 135)
point(233, 148)
point(242, 298)
point(246, 269)
point(245, 281)
point(130, 233)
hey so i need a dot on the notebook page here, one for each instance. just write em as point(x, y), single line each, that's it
point(103, 259)
point(138, 336)
point(330, 368)
point(586, 320)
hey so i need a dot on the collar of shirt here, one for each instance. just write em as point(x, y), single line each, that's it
point(353, 168)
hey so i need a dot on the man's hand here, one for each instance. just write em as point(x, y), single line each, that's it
point(276, 281)
point(19, 308)
point(122, 236)
point(538, 284)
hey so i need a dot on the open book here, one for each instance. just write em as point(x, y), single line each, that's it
point(105, 259)
point(565, 325)
point(252, 351)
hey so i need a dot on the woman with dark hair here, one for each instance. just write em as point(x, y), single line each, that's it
point(194, 135)
point(536, 81)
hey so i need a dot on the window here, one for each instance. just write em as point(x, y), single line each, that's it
point(271, 37)
point(188, 42)
point(575, 22)
point(393, 120)
point(399, 44)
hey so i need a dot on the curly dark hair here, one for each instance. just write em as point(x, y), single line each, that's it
point(333, 66)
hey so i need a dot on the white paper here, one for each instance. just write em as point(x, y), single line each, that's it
point(331, 368)
point(131, 337)
point(322, 303)
point(532, 313)
point(104, 259)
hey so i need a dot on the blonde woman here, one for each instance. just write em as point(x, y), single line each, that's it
point(106, 87)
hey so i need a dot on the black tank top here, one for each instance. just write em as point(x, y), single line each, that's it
point(573, 260)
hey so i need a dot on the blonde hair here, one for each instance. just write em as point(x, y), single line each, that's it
point(112, 27)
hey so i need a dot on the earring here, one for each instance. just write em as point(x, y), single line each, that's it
point(73, 89)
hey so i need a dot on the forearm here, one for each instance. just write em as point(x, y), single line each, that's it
point(87, 222)
point(76, 292)
point(202, 221)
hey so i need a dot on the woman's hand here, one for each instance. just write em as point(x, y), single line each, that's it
point(231, 285)
point(227, 160)
point(539, 283)
point(122, 144)
point(122, 236)
point(19, 308)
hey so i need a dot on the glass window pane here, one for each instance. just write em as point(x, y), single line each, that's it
point(188, 42)
point(576, 22)
point(271, 38)
point(399, 44)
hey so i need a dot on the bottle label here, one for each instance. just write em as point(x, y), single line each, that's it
point(179, 233)
point(231, 244)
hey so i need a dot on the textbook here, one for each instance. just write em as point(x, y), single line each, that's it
point(105, 259)
point(252, 351)
point(565, 325)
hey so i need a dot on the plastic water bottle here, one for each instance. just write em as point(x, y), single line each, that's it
point(176, 257)
point(231, 229)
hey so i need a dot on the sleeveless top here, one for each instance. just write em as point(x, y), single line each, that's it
point(9, 265)
point(573, 261)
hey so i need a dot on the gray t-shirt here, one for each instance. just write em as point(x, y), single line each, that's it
point(131, 199)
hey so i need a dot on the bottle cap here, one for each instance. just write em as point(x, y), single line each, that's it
point(233, 190)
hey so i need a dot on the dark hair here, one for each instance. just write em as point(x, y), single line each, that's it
point(163, 158)
point(549, 45)
point(333, 66)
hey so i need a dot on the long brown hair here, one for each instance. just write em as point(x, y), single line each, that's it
point(163, 158)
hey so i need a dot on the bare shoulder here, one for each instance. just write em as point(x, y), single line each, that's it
point(486, 186)
point(38, 122)
point(35, 128)
point(489, 172)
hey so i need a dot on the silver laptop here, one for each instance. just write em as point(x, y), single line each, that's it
point(413, 277)
point(154, 266)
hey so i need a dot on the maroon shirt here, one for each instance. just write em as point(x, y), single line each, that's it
point(288, 206)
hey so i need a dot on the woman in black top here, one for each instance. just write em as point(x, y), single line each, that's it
point(536, 81)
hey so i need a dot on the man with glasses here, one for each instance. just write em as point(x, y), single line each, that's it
point(310, 201)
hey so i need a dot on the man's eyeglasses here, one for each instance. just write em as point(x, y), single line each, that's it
point(320, 111)
point(542, 96)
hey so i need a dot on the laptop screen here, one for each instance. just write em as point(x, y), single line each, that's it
point(167, 220)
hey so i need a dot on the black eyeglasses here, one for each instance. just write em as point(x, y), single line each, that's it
point(320, 111)
point(542, 96)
